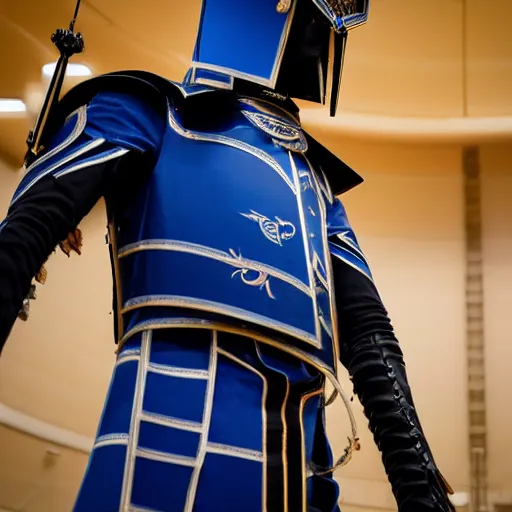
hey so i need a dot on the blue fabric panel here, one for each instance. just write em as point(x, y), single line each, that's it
point(101, 488)
point(175, 397)
point(349, 250)
point(133, 343)
point(183, 348)
point(160, 485)
point(159, 268)
point(124, 120)
point(242, 491)
point(244, 39)
point(237, 389)
point(337, 219)
point(120, 119)
point(346, 254)
point(168, 440)
point(309, 419)
point(118, 409)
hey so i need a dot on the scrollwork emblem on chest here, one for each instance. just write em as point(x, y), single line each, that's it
point(252, 277)
point(277, 231)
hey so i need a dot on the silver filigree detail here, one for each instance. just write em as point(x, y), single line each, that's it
point(260, 279)
point(282, 132)
point(276, 231)
point(305, 181)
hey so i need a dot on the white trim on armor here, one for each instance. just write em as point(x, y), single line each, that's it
point(217, 307)
point(229, 141)
point(81, 121)
point(207, 416)
point(175, 371)
point(127, 359)
point(79, 152)
point(169, 421)
point(111, 440)
point(101, 158)
point(234, 451)
point(170, 458)
point(140, 386)
point(307, 250)
point(215, 254)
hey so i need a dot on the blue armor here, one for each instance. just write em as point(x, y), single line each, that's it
point(293, 47)
point(246, 263)
point(224, 231)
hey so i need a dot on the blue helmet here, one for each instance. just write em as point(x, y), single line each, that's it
point(292, 47)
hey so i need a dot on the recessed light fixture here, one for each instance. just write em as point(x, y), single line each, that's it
point(12, 105)
point(71, 70)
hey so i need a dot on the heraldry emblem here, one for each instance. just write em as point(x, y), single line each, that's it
point(277, 231)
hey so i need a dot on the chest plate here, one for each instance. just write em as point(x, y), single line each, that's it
point(232, 224)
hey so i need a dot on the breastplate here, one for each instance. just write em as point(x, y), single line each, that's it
point(232, 226)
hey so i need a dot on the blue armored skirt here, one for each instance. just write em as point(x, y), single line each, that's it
point(201, 421)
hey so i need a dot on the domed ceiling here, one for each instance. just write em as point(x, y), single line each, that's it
point(432, 59)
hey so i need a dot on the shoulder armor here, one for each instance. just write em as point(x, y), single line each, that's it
point(153, 88)
point(157, 91)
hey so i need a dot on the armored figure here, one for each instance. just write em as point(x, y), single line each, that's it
point(239, 284)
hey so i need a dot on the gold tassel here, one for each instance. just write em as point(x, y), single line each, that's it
point(42, 275)
point(73, 243)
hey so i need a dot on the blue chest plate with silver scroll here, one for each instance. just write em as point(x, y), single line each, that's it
point(232, 225)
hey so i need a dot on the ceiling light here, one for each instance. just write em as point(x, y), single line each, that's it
point(12, 105)
point(71, 70)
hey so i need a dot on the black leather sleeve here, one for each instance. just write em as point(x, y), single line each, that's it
point(45, 215)
point(374, 360)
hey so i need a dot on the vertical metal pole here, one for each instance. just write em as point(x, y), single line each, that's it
point(475, 330)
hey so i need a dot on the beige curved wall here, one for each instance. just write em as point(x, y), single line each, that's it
point(497, 229)
point(408, 216)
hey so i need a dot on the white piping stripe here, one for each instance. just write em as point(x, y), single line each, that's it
point(307, 250)
point(126, 359)
point(207, 416)
point(93, 161)
point(75, 133)
point(175, 371)
point(130, 352)
point(215, 254)
point(180, 460)
point(140, 386)
point(167, 421)
point(139, 509)
point(84, 149)
point(234, 451)
point(111, 440)
point(214, 307)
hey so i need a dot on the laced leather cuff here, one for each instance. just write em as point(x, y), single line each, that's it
point(378, 373)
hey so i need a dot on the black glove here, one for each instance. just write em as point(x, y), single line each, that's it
point(378, 373)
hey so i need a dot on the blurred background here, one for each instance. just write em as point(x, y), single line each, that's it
point(426, 118)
